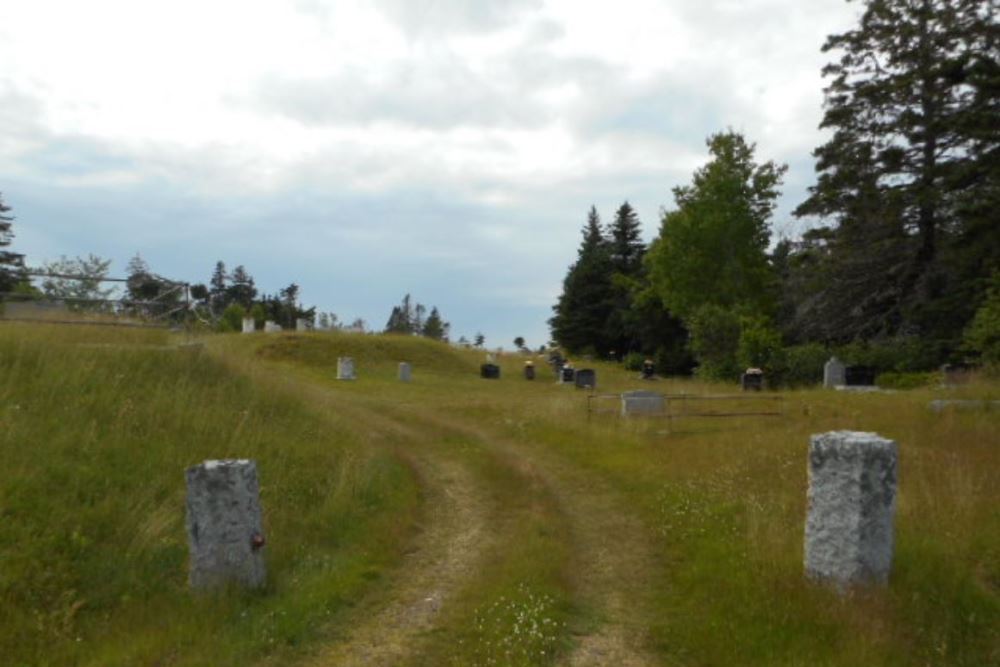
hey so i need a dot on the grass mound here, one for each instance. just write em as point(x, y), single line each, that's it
point(379, 354)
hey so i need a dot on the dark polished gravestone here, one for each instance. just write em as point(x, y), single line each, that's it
point(586, 378)
point(752, 380)
point(529, 371)
point(489, 372)
point(648, 369)
point(567, 375)
point(859, 376)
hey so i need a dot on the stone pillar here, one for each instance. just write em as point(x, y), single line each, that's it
point(852, 500)
point(834, 373)
point(405, 371)
point(345, 368)
point(224, 529)
point(249, 326)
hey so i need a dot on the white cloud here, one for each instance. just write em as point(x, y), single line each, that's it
point(494, 124)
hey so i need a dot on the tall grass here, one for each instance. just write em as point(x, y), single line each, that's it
point(94, 441)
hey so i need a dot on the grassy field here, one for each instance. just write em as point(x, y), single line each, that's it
point(459, 521)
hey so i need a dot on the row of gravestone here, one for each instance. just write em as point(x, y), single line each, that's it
point(345, 370)
point(848, 533)
point(270, 326)
point(584, 378)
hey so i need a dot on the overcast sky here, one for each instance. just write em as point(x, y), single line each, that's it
point(446, 148)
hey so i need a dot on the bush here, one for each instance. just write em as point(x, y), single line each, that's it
point(907, 354)
point(232, 318)
point(893, 380)
point(633, 361)
point(760, 347)
point(982, 337)
point(715, 337)
point(804, 364)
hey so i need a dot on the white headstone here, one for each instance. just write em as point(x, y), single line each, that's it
point(225, 535)
point(345, 368)
point(642, 403)
point(302, 324)
point(852, 501)
point(834, 373)
point(405, 372)
point(271, 327)
point(249, 326)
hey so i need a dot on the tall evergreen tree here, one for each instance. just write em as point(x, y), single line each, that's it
point(217, 286)
point(242, 289)
point(627, 247)
point(625, 244)
point(587, 299)
point(435, 327)
point(912, 101)
point(11, 263)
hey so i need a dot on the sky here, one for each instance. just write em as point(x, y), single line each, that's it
point(449, 149)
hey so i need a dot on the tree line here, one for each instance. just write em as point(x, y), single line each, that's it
point(901, 269)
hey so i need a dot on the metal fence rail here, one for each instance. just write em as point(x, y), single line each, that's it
point(688, 406)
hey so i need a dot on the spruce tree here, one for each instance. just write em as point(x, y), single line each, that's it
point(11, 263)
point(434, 327)
point(912, 102)
point(627, 247)
point(587, 299)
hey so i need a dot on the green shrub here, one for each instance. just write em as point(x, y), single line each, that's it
point(907, 354)
point(893, 380)
point(633, 361)
point(760, 347)
point(982, 337)
point(715, 337)
point(804, 364)
point(232, 318)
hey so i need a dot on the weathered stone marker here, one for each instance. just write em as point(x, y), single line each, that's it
point(271, 326)
point(225, 535)
point(405, 371)
point(249, 326)
point(834, 373)
point(642, 403)
point(852, 500)
point(345, 368)
point(489, 372)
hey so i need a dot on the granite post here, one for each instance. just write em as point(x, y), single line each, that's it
point(225, 536)
point(852, 502)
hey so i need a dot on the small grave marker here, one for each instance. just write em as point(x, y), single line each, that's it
point(249, 326)
point(489, 372)
point(405, 371)
point(585, 378)
point(834, 373)
point(643, 403)
point(225, 535)
point(302, 324)
point(852, 501)
point(568, 375)
point(271, 327)
point(529, 370)
point(648, 369)
point(345, 368)
point(752, 379)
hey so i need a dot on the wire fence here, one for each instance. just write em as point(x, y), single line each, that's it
point(138, 301)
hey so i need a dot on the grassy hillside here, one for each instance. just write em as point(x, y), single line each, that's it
point(98, 426)
point(461, 521)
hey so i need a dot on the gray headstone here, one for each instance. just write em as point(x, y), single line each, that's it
point(271, 327)
point(302, 324)
point(642, 403)
point(345, 368)
point(248, 325)
point(224, 529)
point(834, 373)
point(405, 372)
point(585, 378)
point(852, 501)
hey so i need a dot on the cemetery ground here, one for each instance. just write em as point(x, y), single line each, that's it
point(459, 521)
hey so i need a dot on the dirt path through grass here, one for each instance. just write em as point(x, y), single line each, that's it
point(614, 559)
point(386, 628)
